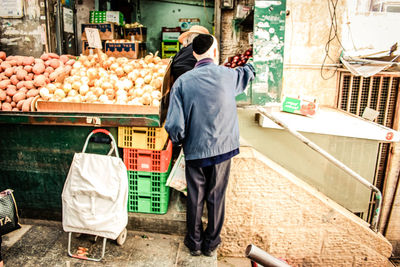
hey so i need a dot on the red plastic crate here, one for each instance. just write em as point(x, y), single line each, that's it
point(148, 160)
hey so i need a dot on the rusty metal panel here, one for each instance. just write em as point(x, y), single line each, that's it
point(378, 92)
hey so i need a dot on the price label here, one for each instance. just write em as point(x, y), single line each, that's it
point(93, 38)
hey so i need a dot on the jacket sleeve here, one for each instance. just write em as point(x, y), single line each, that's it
point(244, 75)
point(175, 122)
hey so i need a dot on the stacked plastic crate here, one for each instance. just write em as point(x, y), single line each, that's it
point(147, 153)
point(106, 16)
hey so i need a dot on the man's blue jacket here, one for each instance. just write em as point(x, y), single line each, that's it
point(202, 109)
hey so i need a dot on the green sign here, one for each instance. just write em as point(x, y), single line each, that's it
point(291, 104)
point(268, 46)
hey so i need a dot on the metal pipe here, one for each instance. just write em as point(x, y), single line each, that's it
point(259, 256)
point(58, 27)
point(311, 66)
point(378, 195)
point(49, 43)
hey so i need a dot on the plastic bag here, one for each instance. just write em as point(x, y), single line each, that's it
point(177, 177)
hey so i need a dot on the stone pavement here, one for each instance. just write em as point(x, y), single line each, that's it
point(44, 243)
point(153, 240)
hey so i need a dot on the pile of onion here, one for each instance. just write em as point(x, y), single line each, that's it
point(22, 77)
point(109, 80)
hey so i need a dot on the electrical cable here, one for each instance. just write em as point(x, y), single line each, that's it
point(333, 34)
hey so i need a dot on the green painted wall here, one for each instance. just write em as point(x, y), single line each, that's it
point(268, 47)
point(35, 159)
point(157, 14)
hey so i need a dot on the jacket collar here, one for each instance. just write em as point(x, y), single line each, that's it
point(204, 61)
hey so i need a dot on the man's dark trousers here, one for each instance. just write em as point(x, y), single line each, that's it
point(206, 184)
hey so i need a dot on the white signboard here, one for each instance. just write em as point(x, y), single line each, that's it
point(11, 8)
point(93, 38)
point(112, 16)
point(68, 18)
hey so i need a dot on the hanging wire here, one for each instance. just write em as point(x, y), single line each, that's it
point(333, 34)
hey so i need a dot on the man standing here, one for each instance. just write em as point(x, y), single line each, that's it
point(184, 60)
point(202, 117)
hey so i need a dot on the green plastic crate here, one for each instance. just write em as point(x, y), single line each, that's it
point(148, 192)
point(157, 203)
point(148, 183)
point(101, 17)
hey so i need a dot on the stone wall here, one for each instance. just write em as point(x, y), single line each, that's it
point(233, 42)
point(306, 36)
point(269, 207)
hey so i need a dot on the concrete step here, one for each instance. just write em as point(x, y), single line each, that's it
point(173, 222)
point(44, 243)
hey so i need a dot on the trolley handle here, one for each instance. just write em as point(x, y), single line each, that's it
point(104, 131)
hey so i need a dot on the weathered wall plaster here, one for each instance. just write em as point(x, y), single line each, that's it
point(23, 36)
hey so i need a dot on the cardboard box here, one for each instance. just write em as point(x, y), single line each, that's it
point(86, 49)
point(140, 34)
point(300, 105)
point(107, 31)
point(185, 24)
point(125, 49)
point(142, 50)
point(106, 16)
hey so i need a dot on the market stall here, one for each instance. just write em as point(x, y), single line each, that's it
point(53, 101)
point(48, 104)
point(48, 100)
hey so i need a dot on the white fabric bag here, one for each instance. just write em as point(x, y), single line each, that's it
point(95, 193)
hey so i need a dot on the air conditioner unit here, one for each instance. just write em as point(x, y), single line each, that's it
point(386, 6)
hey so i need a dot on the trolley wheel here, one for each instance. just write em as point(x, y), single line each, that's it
point(122, 237)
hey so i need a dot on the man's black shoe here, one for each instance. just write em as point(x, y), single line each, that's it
point(209, 252)
point(195, 252)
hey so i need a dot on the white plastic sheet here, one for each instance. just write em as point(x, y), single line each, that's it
point(177, 177)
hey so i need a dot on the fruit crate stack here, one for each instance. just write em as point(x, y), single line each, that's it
point(147, 153)
point(170, 44)
point(109, 24)
point(106, 16)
